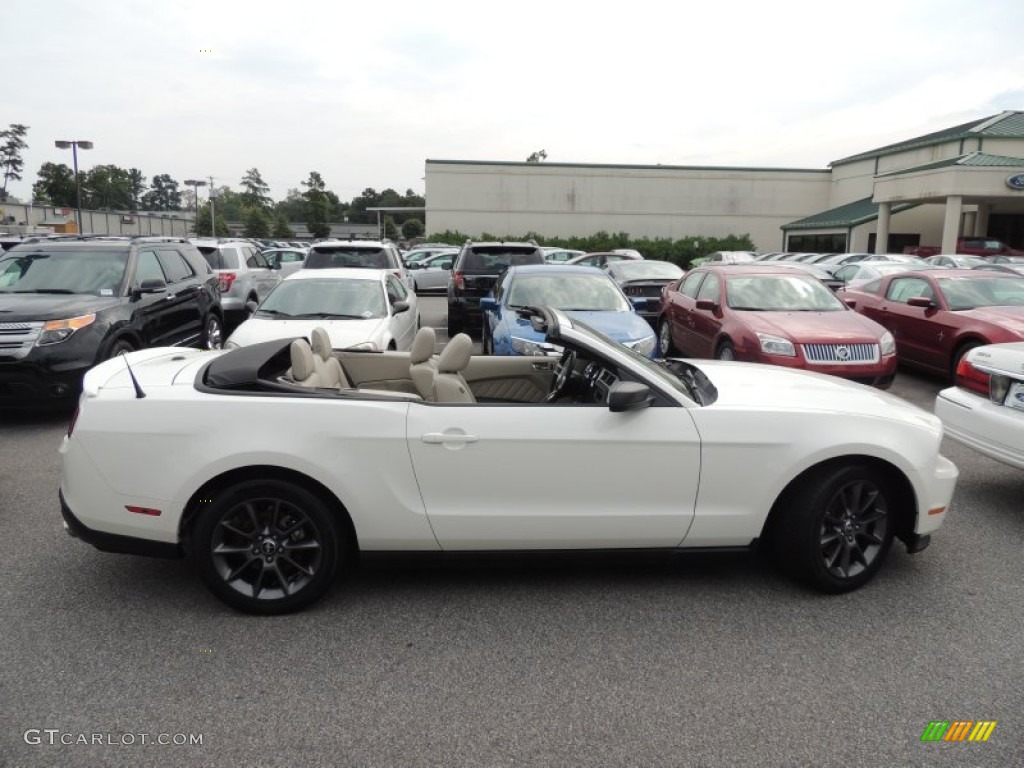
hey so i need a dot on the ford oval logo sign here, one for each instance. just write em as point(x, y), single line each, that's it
point(1016, 181)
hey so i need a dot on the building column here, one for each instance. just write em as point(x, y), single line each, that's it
point(882, 232)
point(981, 220)
point(951, 226)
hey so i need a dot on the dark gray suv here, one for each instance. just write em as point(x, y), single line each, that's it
point(475, 272)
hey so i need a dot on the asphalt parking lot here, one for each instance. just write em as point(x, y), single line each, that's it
point(644, 660)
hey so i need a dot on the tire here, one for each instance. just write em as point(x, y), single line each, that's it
point(836, 527)
point(958, 355)
point(267, 547)
point(665, 339)
point(213, 332)
point(117, 347)
point(726, 351)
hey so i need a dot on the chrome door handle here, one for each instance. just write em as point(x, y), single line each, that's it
point(170, 296)
point(436, 438)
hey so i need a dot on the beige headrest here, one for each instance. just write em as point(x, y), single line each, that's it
point(302, 360)
point(422, 348)
point(321, 344)
point(456, 354)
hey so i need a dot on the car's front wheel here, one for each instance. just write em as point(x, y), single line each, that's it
point(267, 546)
point(665, 339)
point(837, 526)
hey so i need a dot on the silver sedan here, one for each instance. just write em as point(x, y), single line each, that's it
point(434, 272)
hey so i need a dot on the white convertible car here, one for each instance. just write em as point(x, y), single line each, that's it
point(985, 410)
point(331, 452)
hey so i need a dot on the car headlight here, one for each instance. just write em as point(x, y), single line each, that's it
point(55, 331)
point(887, 344)
point(527, 347)
point(645, 346)
point(776, 345)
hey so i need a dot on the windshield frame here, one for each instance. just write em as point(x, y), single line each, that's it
point(104, 289)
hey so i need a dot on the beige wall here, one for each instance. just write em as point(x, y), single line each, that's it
point(661, 201)
point(95, 222)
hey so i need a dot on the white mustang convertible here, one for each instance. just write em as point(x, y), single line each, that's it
point(276, 463)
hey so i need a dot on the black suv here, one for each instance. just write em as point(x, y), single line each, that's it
point(474, 273)
point(68, 304)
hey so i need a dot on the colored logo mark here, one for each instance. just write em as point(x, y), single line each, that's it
point(958, 730)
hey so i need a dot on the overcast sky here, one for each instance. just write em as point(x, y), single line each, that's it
point(364, 93)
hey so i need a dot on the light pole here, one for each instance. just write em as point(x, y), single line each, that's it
point(213, 212)
point(195, 184)
point(78, 183)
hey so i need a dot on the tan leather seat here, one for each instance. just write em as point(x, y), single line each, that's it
point(305, 371)
point(325, 361)
point(423, 361)
point(449, 384)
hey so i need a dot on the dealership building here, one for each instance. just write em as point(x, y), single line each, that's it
point(967, 180)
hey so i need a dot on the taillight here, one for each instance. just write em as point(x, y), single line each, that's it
point(969, 377)
point(71, 424)
point(460, 283)
point(226, 279)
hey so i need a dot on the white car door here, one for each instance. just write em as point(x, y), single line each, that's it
point(551, 476)
point(403, 325)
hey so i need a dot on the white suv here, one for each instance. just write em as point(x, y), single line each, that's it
point(364, 254)
point(243, 273)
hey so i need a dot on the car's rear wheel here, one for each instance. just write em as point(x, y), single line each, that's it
point(665, 339)
point(726, 351)
point(267, 546)
point(213, 333)
point(836, 527)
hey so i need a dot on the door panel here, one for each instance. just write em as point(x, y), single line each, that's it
point(554, 476)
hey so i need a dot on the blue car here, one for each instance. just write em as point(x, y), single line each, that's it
point(586, 293)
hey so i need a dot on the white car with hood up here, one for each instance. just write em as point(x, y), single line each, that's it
point(359, 308)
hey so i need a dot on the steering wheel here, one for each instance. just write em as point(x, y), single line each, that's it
point(562, 373)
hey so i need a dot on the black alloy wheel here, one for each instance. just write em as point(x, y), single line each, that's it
point(267, 546)
point(837, 527)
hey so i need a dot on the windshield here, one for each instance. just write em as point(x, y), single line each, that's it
point(99, 273)
point(346, 256)
point(335, 298)
point(780, 293)
point(971, 292)
point(218, 259)
point(498, 257)
point(583, 293)
point(640, 270)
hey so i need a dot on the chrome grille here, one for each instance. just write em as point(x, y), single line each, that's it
point(17, 339)
point(841, 354)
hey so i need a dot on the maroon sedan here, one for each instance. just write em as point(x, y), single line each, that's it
point(938, 315)
point(774, 315)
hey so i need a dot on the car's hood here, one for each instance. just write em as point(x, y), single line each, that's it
point(343, 333)
point(620, 326)
point(1011, 318)
point(760, 387)
point(29, 307)
point(816, 327)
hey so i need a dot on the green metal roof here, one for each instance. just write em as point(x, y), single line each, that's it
point(845, 216)
point(1003, 125)
point(971, 159)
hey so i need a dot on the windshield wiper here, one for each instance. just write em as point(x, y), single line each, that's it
point(274, 312)
point(46, 290)
point(330, 315)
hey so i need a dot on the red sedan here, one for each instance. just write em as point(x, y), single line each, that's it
point(774, 315)
point(938, 315)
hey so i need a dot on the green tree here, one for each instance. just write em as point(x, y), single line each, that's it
point(106, 187)
point(163, 195)
point(257, 222)
point(12, 142)
point(137, 186)
point(203, 223)
point(281, 227)
point(357, 209)
point(412, 228)
point(317, 205)
point(293, 206)
point(55, 184)
point(230, 204)
point(254, 191)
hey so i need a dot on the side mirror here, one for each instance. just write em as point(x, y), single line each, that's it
point(152, 285)
point(706, 304)
point(447, 267)
point(399, 306)
point(629, 396)
point(488, 303)
point(921, 301)
point(851, 303)
point(251, 306)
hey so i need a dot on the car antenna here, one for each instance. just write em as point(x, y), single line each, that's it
point(139, 394)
